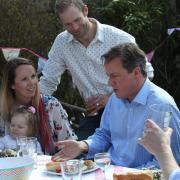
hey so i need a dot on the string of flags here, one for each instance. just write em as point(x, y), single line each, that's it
point(151, 53)
point(10, 52)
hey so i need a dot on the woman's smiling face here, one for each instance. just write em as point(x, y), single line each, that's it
point(25, 82)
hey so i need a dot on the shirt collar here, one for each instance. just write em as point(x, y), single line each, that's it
point(142, 95)
point(70, 37)
point(99, 34)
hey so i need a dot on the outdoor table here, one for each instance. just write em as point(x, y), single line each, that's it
point(41, 174)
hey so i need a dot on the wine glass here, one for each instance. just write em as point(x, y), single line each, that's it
point(161, 114)
point(103, 161)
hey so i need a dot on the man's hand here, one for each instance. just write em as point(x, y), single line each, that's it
point(155, 140)
point(97, 102)
point(69, 149)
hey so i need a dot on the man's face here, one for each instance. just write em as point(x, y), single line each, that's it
point(75, 21)
point(122, 82)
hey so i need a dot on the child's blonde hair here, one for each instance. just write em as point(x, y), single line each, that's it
point(31, 118)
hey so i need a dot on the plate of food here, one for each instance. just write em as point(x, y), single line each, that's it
point(8, 153)
point(54, 167)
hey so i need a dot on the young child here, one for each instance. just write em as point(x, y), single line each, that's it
point(24, 122)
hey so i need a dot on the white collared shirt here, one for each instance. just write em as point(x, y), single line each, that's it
point(84, 63)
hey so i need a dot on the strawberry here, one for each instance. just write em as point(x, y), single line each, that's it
point(58, 170)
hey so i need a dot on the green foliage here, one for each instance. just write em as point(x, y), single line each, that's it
point(27, 24)
point(33, 24)
point(144, 19)
point(147, 21)
point(166, 63)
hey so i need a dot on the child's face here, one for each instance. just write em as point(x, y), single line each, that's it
point(18, 126)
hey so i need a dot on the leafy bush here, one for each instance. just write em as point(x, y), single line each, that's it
point(33, 24)
point(148, 21)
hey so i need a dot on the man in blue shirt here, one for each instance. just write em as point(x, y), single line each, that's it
point(125, 114)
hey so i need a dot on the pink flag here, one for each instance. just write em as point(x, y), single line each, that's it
point(41, 64)
point(170, 31)
point(150, 55)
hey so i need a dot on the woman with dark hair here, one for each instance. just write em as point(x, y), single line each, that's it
point(20, 87)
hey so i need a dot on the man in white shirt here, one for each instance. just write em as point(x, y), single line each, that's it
point(79, 49)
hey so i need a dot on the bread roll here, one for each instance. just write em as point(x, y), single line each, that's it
point(53, 166)
point(89, 164)
point(143, 175)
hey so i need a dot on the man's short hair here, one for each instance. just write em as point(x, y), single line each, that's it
point(62, 5)
point(130, 55)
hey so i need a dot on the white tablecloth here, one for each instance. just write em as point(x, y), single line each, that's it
point(40, 174)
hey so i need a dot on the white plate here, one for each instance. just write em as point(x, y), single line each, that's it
point(83, 172)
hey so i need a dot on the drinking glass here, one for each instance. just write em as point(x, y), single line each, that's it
point(93, 97)
point(27, 146)
point(161, 114)
point(71, 169)
point(21, 146)
point(32, 148)
point(90, 113)
point(103, 161)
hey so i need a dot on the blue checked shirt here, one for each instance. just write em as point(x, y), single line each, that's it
point(122, 124)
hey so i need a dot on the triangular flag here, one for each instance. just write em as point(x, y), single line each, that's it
point(149, 70)
point(170, 31)
point(41, 64)
point(10, 53)
point(150, 55)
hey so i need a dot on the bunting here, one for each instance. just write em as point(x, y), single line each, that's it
point(169, 32)
point(10, 53)
point(149, 56)
point(41, 64)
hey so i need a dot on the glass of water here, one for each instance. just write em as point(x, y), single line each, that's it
point(160, 114)
point(103, 161)
point(32, 148)
point(21, 146)
point(71, 169)
point(27, 146)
